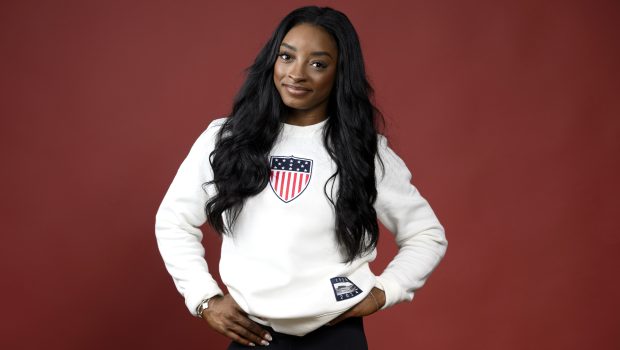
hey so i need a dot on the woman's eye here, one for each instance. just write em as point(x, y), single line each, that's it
point(319, 65)
point(285, 56)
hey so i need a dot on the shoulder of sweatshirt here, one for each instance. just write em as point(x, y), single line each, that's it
point(216, 123)
point(390, 160)
point(207, 139)
point(214, 127)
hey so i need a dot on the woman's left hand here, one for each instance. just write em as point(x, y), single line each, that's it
point(365, 307)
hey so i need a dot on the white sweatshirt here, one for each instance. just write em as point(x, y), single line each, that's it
point(282, 265)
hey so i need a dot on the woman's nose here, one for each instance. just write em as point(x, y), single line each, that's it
point(297, 72)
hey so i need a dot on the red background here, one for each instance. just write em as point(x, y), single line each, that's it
point(507, 113)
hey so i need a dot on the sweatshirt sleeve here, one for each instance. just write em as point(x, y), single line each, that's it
point(178, 221)
point(418, 233)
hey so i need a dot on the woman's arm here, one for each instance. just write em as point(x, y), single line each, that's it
point(178, 221)
point(418, 233)
point(177, 229)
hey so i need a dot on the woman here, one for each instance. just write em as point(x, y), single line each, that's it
point(294, 180)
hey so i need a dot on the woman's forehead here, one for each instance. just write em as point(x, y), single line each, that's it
point(309, 38)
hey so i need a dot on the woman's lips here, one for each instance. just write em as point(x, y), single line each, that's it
point(296, 90)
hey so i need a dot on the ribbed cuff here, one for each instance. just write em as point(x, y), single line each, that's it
point(195, 297)
point(393, 292)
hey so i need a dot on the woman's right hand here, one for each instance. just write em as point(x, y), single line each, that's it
point(226, 317)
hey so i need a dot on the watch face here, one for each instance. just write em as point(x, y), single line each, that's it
point(204, 305)
point(201, 307)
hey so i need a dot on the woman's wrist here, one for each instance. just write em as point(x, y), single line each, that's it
point(372, 295)
point(379, 295)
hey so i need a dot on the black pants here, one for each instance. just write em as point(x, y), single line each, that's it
point(346, 335)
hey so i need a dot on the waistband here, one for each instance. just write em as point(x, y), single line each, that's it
point(351, 323)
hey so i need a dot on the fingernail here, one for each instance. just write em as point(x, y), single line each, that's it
point(264, 342)
point(252, 344)
point(268, 337)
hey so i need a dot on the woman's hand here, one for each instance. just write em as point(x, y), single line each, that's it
point(226, 317)
point(367, 306)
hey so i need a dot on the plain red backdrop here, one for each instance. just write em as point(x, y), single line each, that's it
point(507, 113)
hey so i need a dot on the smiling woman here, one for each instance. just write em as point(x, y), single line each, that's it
point(295, 179)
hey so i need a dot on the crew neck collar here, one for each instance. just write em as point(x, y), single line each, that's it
point(305, 129)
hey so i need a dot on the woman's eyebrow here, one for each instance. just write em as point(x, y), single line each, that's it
point(315, 53)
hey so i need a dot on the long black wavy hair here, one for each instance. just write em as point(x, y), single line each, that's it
point(240, 159)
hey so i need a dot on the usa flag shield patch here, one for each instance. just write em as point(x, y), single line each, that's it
point(289, 176)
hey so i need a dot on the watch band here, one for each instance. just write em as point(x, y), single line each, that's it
point(204, 304)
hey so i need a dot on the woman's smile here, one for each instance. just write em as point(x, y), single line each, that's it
point(296, 90)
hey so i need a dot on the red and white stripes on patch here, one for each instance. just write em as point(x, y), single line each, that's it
point(288, 184)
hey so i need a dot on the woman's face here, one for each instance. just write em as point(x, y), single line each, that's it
point(305, 69)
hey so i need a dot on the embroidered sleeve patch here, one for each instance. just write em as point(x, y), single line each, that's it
point(344, 289)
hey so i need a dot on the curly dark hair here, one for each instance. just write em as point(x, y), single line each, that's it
point(240, 159)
